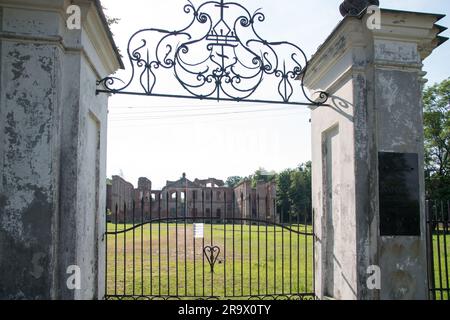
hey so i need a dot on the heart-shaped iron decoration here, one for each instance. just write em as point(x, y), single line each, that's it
point(212, 254)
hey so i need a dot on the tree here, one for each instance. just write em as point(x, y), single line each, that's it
point(262, 175)
point(294, 194)
point(300, 193)
point(437, 140)
point(233, 181)
point(283, 195)
point(293, 188)
point(110, 20)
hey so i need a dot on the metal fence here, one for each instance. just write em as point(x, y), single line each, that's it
point(438, 243)
point(248, 251)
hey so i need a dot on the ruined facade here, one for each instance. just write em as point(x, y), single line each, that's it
point(208, 198)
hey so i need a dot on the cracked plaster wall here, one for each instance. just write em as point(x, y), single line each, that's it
point(52, 157)
point(375, 83)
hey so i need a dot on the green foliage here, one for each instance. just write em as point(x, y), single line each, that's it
point(112, 21)
point(437, 140)
point(233, 181)
point(300, 192)
point(293, 191)
point(261, 175)
point(283, 192)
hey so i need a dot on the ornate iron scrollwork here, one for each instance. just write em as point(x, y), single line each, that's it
point(219, 56)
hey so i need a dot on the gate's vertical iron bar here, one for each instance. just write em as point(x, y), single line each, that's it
point(250, 244)
point(290, 253)
point(444, 236)
point(124, 249)
point(115, 249)
point(430, 251)
point(313, 221)
point(176, 245)
point(106, 253)
point(212, 241)
point(168, 243)
point(134, 247)
point(142, 245)
point(242, 243)
point(274, 246)
point(203, 243)
point(225, 243)
point(298, 251)
point(259, 262)
point(234, 262)
point(267, 243)
point(151, 243)
point(446, 224)
point(159, 243)
point(306, 248)
point(194, 240)
point(282, 252)
point(185, 242)
point(436, 215)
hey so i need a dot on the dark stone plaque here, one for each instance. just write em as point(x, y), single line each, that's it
point(399, 194)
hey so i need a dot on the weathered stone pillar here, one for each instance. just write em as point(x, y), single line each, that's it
point(368, 181)
point(52, 148)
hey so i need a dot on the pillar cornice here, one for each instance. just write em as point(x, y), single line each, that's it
point(93, 24)
point(352, 37)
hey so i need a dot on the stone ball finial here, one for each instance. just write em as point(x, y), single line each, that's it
point(355, 7)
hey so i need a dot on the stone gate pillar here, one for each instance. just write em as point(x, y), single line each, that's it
point(52, 147)
point(368, 181)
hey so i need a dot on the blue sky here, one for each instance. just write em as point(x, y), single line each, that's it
point(162, 138)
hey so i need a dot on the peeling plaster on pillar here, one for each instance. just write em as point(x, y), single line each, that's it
point(29, 176)
point(49, 203)
point(362, 172)
point(404, 115)
point(2, 117)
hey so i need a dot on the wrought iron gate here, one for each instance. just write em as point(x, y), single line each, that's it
point(163, 249)
point(243, 249)
point(438, 223)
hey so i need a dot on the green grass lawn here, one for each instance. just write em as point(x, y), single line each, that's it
point(258, 261)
